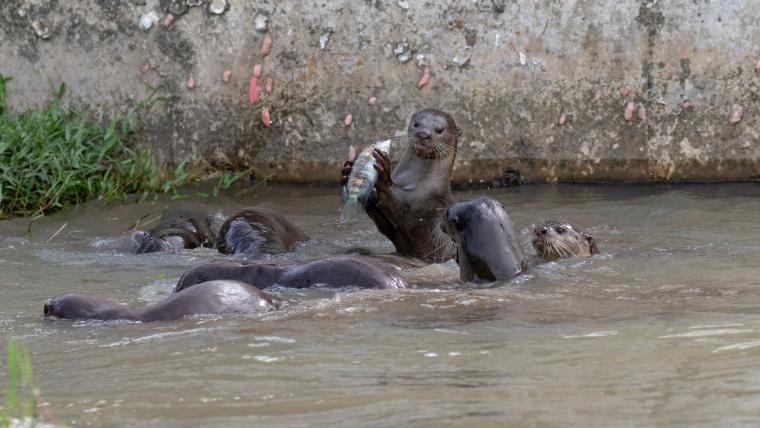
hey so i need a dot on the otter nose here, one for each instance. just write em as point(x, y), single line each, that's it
point(423, 133)
point(47, 310)
point(540, 230)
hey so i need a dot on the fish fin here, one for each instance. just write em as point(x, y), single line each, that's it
point(349, 212)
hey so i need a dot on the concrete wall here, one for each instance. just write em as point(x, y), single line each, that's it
point(567, 90)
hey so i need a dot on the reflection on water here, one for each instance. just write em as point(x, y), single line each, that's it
point(662, 328)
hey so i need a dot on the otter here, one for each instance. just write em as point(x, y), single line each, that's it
point(208, 298)
point(178, 229)
point(486, 241)
point(336, 271)
point(408, 206)
point(257, 231)
point(555, 239)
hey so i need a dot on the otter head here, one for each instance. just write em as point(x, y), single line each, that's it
point(432, 134)
point(553, 240)
point(71, 306)
point(487, 245)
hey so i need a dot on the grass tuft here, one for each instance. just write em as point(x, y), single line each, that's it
point(52, 158)
point(20, 393)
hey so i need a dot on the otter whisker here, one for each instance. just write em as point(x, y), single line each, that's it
point(565, 249)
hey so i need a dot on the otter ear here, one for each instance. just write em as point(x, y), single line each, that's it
point(459, 132)
point(592, 248)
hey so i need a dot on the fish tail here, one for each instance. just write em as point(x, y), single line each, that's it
point(349, 212)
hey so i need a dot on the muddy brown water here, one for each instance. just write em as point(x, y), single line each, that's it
point(662, 328)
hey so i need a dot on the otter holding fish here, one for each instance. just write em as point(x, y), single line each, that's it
point(409, 205)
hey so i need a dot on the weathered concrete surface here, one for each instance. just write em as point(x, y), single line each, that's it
point(537, 86)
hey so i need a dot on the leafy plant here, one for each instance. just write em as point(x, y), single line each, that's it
point(228, 179)
point(51, 158)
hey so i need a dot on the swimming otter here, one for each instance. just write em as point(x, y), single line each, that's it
point(178, 229)
point(213, 297)
point(486, 239)
point(257, 231)
point(409, 205)
point(337, 271)
point(553, 240)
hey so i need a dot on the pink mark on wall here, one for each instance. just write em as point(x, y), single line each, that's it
point(253, 90)
point(425, 79)
point(630, 109)
point(736, 114)
point(265, 118)
point(266, 45)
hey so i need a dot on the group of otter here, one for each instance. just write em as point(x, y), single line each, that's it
point(412, 206)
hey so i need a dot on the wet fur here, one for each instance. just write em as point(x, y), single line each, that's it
point(257, 231)
point(177, 230)
point(411, 209)
point(488, 248)
point(573, 241)
point(336, 272)
point(213, 297)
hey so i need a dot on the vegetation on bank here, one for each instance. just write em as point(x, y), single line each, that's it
point(20, 393)
point(52, 158)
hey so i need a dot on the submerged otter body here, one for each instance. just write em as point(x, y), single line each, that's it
point(178, 230)
point(337, 271)
point(486, 239)
point(257, 231)
point(213, 297)
point(409, 205)
point(553, 240)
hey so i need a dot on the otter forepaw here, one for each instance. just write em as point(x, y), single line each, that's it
point(383, 168)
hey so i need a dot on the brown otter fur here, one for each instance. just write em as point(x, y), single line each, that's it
point(212, 297)
point(178, 229)
point(409, 205)
point(553, 240)
point(257, 231)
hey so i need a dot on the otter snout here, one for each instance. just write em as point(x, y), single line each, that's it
point(423, 134)
point(540, 230)
point(53, 307)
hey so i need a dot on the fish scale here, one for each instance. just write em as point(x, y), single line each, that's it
point(361, 181)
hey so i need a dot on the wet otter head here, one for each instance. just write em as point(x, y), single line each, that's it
point(553, 240)
point(71, 306)
point(487, 245)
point(432, 134)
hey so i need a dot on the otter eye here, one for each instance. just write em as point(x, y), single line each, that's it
point(560, 230)
point(438, 130)
point(454, 223)
point(416, 124)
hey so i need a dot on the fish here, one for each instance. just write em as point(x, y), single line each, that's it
point(361, 182)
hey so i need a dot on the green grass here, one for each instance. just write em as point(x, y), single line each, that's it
point(20, 393)
point(52, 158)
